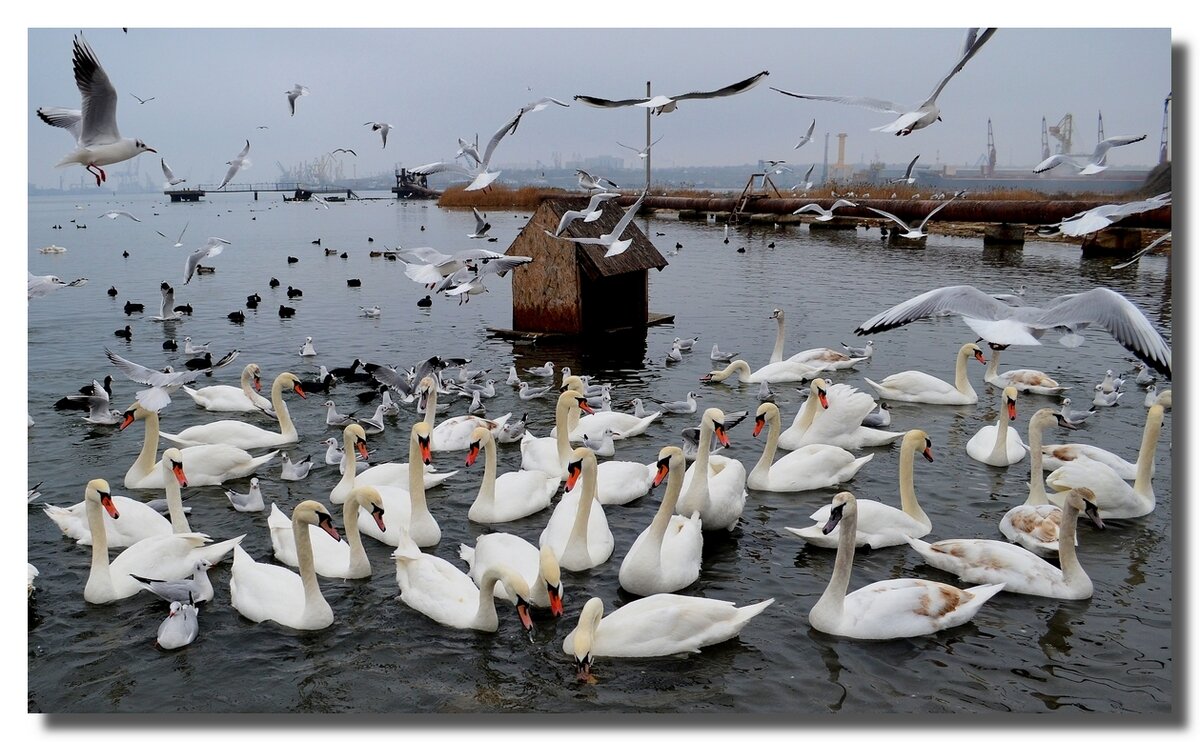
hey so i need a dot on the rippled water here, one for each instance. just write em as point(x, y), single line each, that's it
point(1111, 653)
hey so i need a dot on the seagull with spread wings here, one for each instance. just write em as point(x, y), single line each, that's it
point(1005, 324)
point(1091, 164)
point(808, 135)
point(94, 124)
point(907, 178)
point(211, 249)
point(382, 128)
point(916, 116)
point(296, 91)
point(235, 165)
point(612, 240)
point(170, 175)
point(644, 152)
point(660, 104)
point(590, 213)
point(166, 310)
point(911, 232)
point(161, 383)
point(481, 225)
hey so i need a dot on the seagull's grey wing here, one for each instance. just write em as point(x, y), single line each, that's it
point(893, 217)
point(1143, 251)
point(908, 170)
point(509, 126)
point(193, 260)
point(1107, 144)
point(70, 119)
point(138, 373)
point(168, 301)
point(875, 104)
point(423, 254)
point(974, 41)
point(929, 216)
point(567, 218)
point(541, 104)
point(733, 418)
point(965, 300)
point(628, 217)
point(390, 377)
point(808, 173)
point(1116, 314)
point(501, 266)
point(1054, 161)
point(480, 222)
point(440, 167)
point(477, 254)
point(606, 103)
point(810, 208)
point(99, 107)
point(631, 149)
point(737, 87)
point(245, 151)
point(225, 361)
point(166, 170)
point(586, 240)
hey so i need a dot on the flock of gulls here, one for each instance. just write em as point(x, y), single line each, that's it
point(705, 490)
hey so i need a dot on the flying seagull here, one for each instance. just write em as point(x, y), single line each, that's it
point(380, 127)
point(343, 149)
point(480, 173)
point(807, 135)
point(590, 182)
point(912, 233)
point(1137, 255)
point(481, 225)
point(612, 240)
point(236, 164)
point(115, 214)
point(166, 310)
point(824, 215)
point(293, 94)
point(94, 124)
point(143, 101)
point(644, 152)
point(178, 242)
point(1099, 217)
point(661, 104)
point(590, 213)
point(161, 383)
point(169, 175)
point(211, 249)
point(1004, 324)
point(917, 116)
point(907, 178)
point(1092, 163)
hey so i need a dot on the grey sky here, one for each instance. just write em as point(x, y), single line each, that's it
point(213, 87)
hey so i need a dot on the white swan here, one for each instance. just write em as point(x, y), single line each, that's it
point(539, 567)
point(138, 520)
point(224, 398)
point(390, 474)
point(1113, 495)
point(986, 561)
point(550, 455)
point(1024, 379)
point(811, 467)
point(825, 359)
point(622, 424)
point(345, 558)
point(779, 372)
point(169, 557)
point(713, 486)
point(512, 495)
point(918, 386)
point(879, 525)
point(1060, 454)
point(835, 418)
point(888, 609)
point(665, 557)
point(267, 592)
point(453, 434)
point(433, 586)
point(244, 435)
point(655, 626)
point(578, 529)
point(406, 511)
point(1036, 523)
point(205, 465)
point(999, 444)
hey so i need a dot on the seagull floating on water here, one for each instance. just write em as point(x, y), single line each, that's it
point(251, 502)
point(307, 349)
point(94, 124)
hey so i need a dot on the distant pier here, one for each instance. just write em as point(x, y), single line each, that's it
point(297, 189)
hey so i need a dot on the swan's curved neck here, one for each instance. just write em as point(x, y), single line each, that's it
point(697, 494)
point(99, 581)
point(1000, 447)
point(833, 599)
point(416, 484)
point(144, 463)
point(993, 366)
point(1141, 484)
point(179, 523)
point(308, 572)
point(577, 542)
point(487, 487)
point(961, 382)
point(808, 412)
point(908, 493)
point(485, 616)
point(285, 420)
point(763, 468)
point(358, 554)
point(561, 424)
point(431, 405)
point(1068, 559)
point(777, 353)
point(740, 367)
point(247, 387)
point(1037, 488)
point(658, 526)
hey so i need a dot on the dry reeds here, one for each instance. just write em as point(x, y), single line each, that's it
point(500, 197)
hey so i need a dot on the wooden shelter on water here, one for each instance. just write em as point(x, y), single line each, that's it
point(572, 289)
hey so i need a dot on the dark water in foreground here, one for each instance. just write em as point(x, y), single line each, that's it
point(1111, 653)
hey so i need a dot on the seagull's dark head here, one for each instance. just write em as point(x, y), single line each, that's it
point(142, 147)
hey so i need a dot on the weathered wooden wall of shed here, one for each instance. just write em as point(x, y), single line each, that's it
point(546, 292)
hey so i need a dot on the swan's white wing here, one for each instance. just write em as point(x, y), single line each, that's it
point(99, 108)
point(875, 104)
point(1116, 314)
point(891, 216)
point(737, 87)
point(66, 118)
point(965, 300)
point(974, 41)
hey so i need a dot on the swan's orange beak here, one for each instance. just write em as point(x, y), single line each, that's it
point(126, 421)
point(299, 391)
point(719, 431)
point(257, 383)
point(472, 452)
point(706, 378)
point(523, 614)
point(583, 405)
point(928, 452)
point(574, 469)
point(177, 470)
point(556, 599)
point(664, 467)
point(361, 446)
point(979, 356)
point(423, 444)
point(759, 422)
point(107, 501)
point(377, 514)
point(1012, 410)
point(325, 523)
